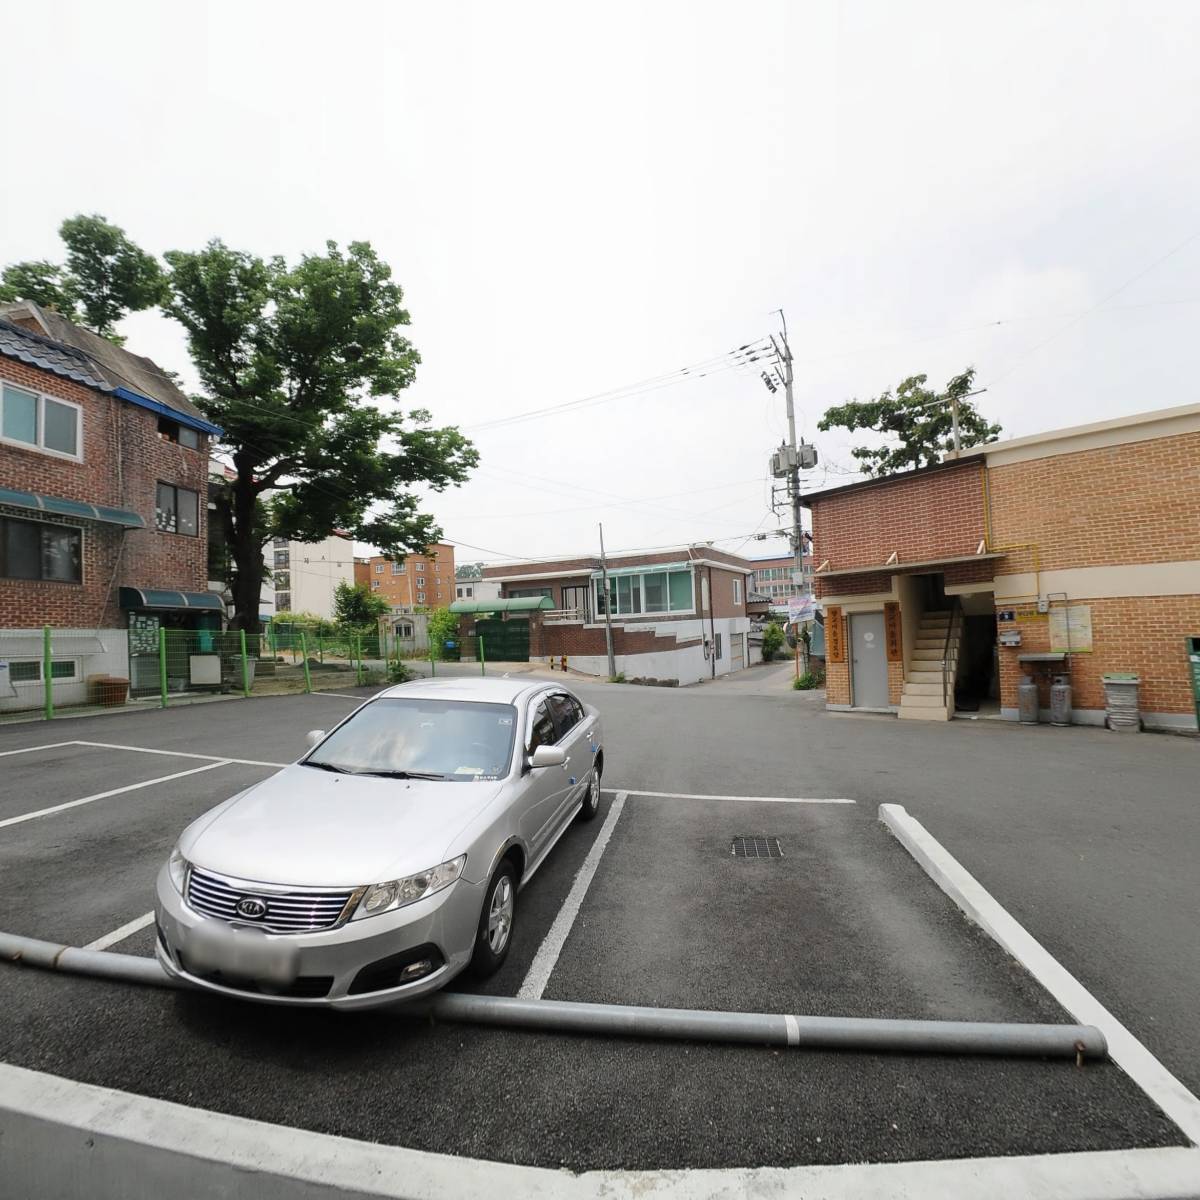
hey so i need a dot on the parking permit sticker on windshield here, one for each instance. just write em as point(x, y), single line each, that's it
point(468, 770)
point(505, 720)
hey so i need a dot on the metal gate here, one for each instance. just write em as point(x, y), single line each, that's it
point(504, 641)
point(737, 651)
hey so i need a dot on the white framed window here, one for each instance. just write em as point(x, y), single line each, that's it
point(645, 592)
point(720, 652)
point(40, 422)
point(374, 584)
point(29, 670)
point(420, 567)
point(737, 591)
point(420, 597)
point(397, 568)
point(379, 568)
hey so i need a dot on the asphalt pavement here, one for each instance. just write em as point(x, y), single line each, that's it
point(844, 922)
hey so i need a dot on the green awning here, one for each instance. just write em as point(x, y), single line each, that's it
point(152, 598)
point(71, 508)
point(506, 604)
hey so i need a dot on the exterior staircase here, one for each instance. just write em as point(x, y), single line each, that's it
point(921, 699)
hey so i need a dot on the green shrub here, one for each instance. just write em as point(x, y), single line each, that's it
point(397, 672)
point(807, 682)
point(443, 628)
point(772, 640)
point(619, 677)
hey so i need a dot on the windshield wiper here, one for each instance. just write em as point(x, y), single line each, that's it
point(403, 774)
point(327, 766)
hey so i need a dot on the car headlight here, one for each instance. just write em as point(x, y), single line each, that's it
point(177, 867)
point(396, 893)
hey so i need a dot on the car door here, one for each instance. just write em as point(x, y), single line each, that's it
point(573, 739)
point(544, 787)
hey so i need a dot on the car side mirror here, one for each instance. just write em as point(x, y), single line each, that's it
point(548, 756)
point(313, 736)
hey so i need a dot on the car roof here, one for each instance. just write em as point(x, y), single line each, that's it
point(481, 691)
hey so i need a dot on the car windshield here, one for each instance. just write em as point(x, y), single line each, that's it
point(454, 740)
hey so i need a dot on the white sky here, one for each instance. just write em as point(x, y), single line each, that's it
point(579, 199)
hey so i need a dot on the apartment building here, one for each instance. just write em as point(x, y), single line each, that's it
point(420, 581)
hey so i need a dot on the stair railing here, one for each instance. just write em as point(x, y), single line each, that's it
point(955, 611)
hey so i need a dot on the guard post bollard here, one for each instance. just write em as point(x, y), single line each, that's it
point(162, 666)
point(245, 666)
point(304, 659)
point(482, 657)
point(48, 672)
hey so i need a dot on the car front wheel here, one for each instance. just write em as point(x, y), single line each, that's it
point(591, 798)
point(494, 935)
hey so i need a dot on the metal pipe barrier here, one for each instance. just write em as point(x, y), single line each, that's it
point(623, 1020)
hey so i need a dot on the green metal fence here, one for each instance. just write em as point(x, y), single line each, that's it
point(47, 672)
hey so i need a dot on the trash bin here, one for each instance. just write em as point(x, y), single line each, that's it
point(109, 691)
point(1027, 700)
point(1060, 700)
point(1121, 702)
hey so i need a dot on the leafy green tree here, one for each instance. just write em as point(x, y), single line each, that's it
point(42, 282)
point(919, 418)
point(772, 640)
point(443, 627)
point(355, 604)
point(109, 275)
point(105, 276)
point(301, 365)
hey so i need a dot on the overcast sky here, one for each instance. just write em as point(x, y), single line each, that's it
point(580, 198)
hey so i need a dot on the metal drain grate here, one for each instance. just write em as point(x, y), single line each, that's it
point(756, 847)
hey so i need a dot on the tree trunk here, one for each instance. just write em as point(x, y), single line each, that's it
point(246, 548)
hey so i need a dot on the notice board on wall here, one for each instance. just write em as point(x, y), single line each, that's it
point(835, 635)
point(1071, 629)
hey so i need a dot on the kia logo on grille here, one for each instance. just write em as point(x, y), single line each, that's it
point(252, 907)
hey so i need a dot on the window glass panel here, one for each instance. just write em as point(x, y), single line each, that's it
point(188, 511)
point(19, 417)
point(283, 601)
point(655, 588)
point(60, 427)
point(189, 437)
point(564, 713)
point(542, 730)
point(22, 550)
point(62, 669)
point(60, 554)
point(624, 594)
point(517, 593)
point(164, 508)
point(25, 672)
point(681, 590)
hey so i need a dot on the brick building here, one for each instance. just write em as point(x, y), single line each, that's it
point(676, 614)
point(420, 581)
point(1072, 553)
point(103, 512)
point(773, 578)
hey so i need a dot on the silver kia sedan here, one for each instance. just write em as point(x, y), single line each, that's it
point(388, 859)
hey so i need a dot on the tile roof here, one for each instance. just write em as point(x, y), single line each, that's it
point(28, 347)
point(105, 365)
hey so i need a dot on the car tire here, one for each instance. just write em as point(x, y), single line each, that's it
point(497, 919)
point(591, 798)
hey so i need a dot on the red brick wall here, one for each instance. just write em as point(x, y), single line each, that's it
point(934, 515)
point(1143, 634)
point(123, 460)
point(1135, 503)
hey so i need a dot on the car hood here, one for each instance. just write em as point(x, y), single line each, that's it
point(318, 829)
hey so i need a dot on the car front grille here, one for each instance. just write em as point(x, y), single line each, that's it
point(299, 911)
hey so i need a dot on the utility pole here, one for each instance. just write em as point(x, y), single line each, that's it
point(612, 662)
point(954, 416)
point(788, 460)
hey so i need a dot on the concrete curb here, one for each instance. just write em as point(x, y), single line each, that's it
point(65, 1139)
point(985, 911)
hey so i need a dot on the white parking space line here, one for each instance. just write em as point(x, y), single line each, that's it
point(129, 787)
point(241, 762)
point(982, 908)
point(544, 961)
point(746, 799)
point(30, 749)
point(121, 932)
point(340, 695)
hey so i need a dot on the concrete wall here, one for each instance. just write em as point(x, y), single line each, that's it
point(316, 569)
point(74, 644)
